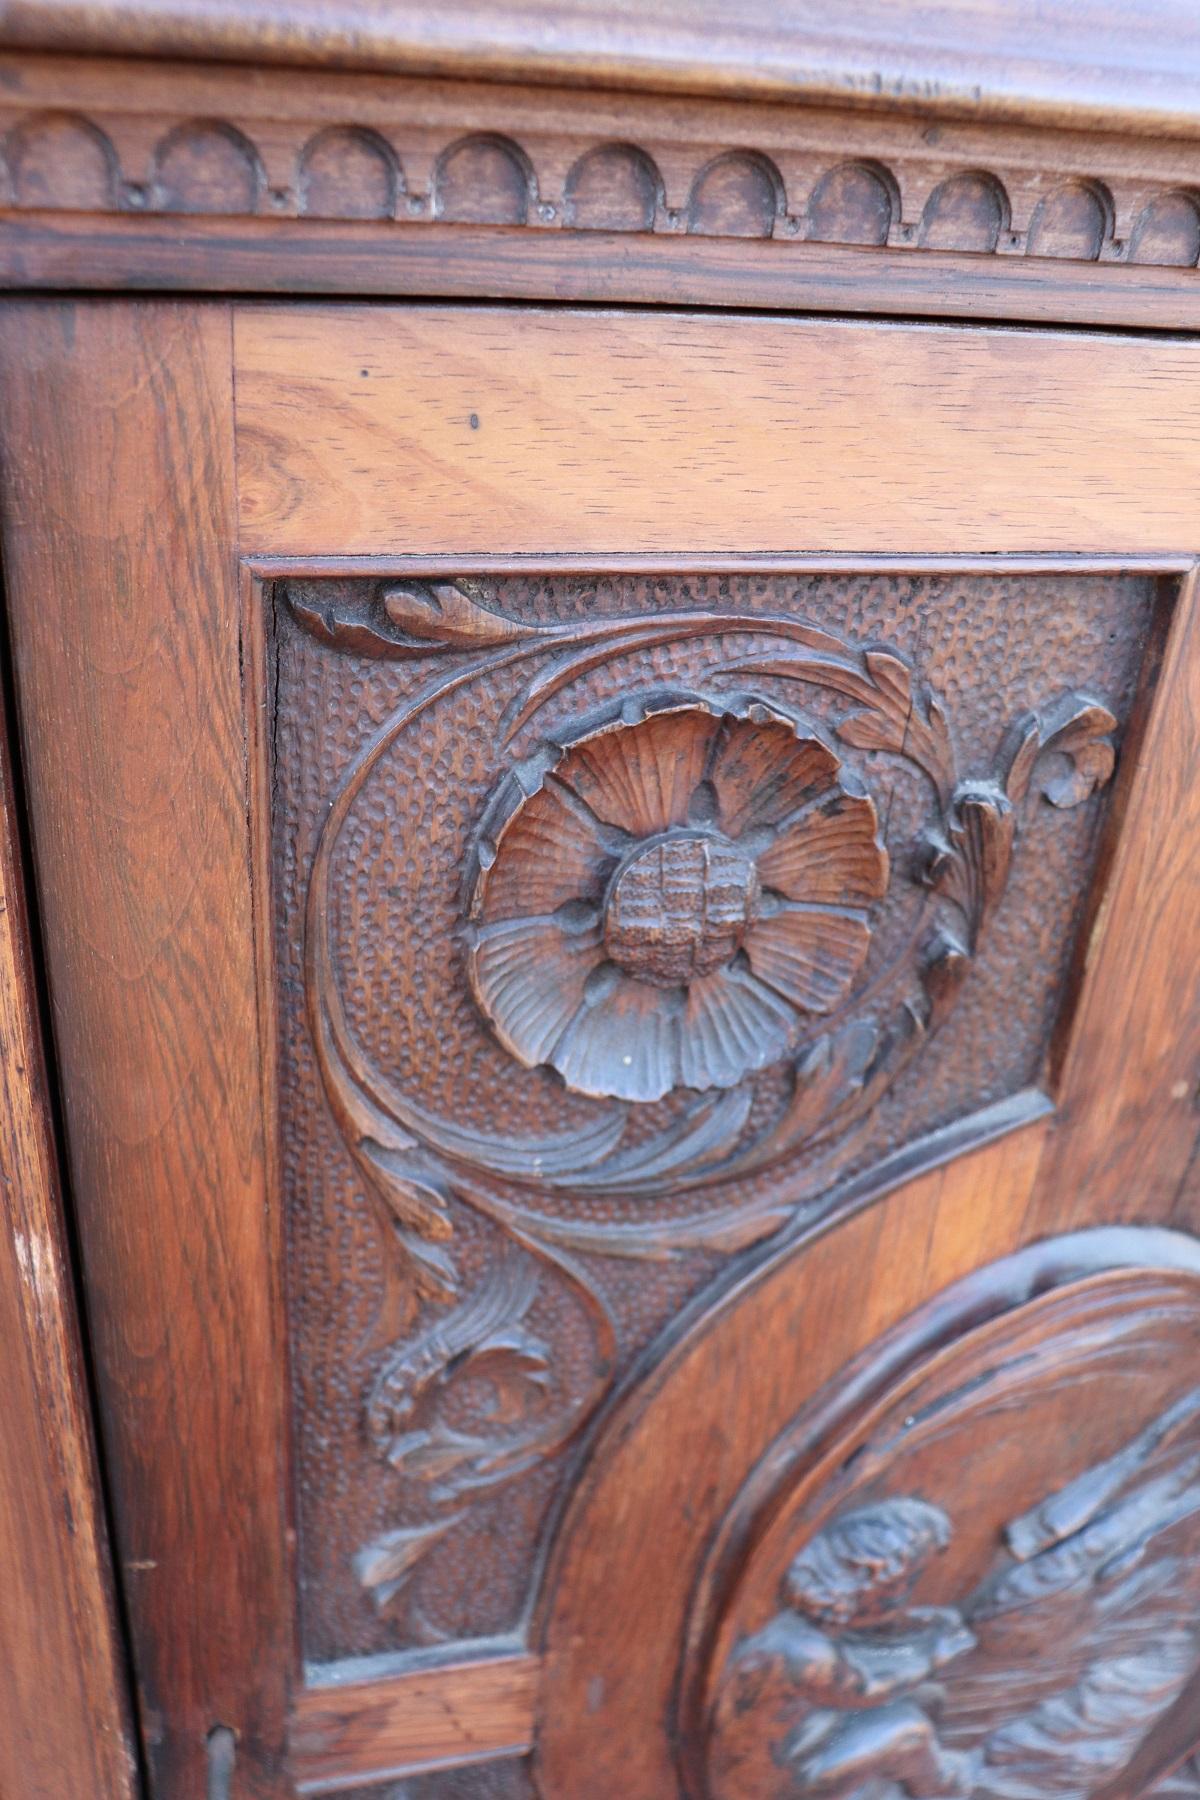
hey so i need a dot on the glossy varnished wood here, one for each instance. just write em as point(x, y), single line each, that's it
point(1082, 64)
point(370, 1730)
point(1127, 1087)
point(65, 1713)
point(454, 431)
point(813, 1310)
point(118, 459)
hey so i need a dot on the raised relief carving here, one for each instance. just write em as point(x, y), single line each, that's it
point(443, 155)
point(668, 911)
point(982, 1601)
point(678, 890)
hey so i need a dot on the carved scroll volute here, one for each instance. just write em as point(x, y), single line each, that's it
point(986, 1583)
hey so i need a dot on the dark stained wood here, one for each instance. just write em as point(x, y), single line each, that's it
point(327, 182)
point(1083, 64)
point(118, 463)
point(109, 252)
point(65, 1712)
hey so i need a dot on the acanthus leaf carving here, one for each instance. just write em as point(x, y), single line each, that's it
point(663, 899)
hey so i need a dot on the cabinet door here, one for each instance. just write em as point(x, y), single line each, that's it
point(621, 902)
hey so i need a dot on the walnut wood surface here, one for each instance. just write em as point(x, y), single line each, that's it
point(66, 1720)
point(332, 182)
point(480, 1251)
point(111, 252)
point(117, 528)
point(628, 432)
point(1127, 1126)
point(811, 1314)
point(1087, 63)
point(452, 1714)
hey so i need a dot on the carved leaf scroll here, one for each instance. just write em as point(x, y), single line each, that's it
point(663, 900)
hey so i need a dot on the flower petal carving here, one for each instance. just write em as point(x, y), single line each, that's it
point(828, 851)
point(643, 777)
point(761, 773)
point(530, 975)
point(732, 1025)
point(649, 855)
point(555, 851)
point(624, 1042)
point(809, 955)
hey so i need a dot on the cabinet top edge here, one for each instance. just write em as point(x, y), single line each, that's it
point(1099, 63)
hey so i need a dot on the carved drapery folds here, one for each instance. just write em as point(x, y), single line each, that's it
point(990, 1586)
point(679, 911)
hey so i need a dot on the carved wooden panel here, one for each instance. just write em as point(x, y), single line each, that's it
point(986, 1579)
point(621, 922)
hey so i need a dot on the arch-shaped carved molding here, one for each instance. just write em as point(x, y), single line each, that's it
point(62, 160)
point(615, 187)
point(483, 179)
point(738, 194)
point(1167, 231)
point(470, 173)
point(348, 172)
point(965, 212)
point(1073, 222)
point(207, 166)
point(854, 203)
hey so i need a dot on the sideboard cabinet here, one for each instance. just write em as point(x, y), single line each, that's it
point(605, 662)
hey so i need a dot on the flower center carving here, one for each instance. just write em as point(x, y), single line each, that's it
point(661, 901)
point(678, 908)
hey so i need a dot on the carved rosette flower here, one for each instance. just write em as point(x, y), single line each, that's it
point(661, 901)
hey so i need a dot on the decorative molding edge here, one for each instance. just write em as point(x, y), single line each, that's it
point(123, 139)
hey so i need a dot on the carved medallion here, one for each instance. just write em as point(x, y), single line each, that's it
point(687, 880)
point(990, 1585)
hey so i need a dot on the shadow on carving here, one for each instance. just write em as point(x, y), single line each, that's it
point(58, 160)
point(966, 212)
point(855, 203)
point(740, 194)
point(483, 180)
point(1167, 231)
point(206, 166)
point(1075, 221)
point(613, 188)
point(349, 173)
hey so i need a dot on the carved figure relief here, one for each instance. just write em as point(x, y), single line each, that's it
point(943, 1642)
point(723, 880)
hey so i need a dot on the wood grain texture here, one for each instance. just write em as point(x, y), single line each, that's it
point(1084, 63)
point(114, 251)
point(757, 1360)
point(118, 549)
point(1127, 1087)
point(637, 432)
point(370, 1730)
point(325, 182)
point(66, 1720)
